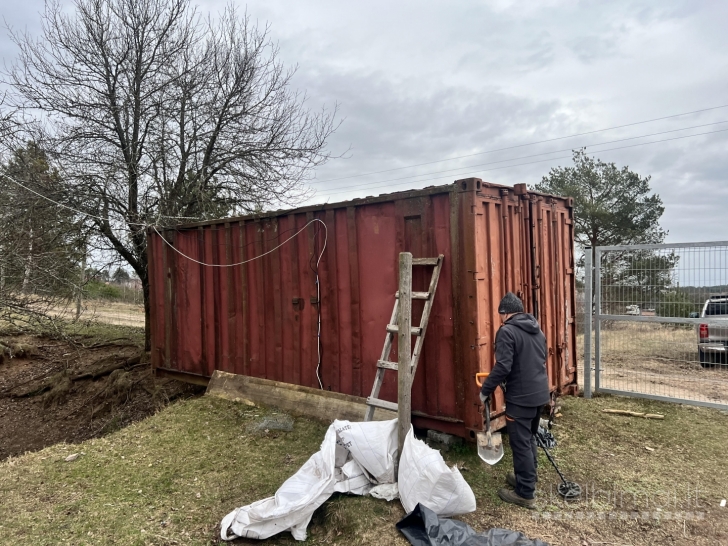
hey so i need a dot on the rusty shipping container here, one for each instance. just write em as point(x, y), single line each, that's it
point(261, 318)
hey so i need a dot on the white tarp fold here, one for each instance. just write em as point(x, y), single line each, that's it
point(354, 457)
point(293, 504)
point(425, 478)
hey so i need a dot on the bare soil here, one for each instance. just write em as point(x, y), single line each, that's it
point(59, 391)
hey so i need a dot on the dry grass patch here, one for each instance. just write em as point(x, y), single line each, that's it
point(172, 477)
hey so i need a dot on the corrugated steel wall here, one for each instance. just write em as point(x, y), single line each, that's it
point(260, 318)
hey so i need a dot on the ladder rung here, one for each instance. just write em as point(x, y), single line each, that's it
point(425, 261)
point(416, 295)
point(377, 403)
point(387, 364)
point(393, 329)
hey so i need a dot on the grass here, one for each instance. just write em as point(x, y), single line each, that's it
point(172, 477)
point(88, 332)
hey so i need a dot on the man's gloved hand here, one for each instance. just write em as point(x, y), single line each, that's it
point(484, 399)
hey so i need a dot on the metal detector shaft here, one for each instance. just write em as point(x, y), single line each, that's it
point(551, 460)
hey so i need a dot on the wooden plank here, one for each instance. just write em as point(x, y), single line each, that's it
point(416, 295)
point(404, 348)
point(384, 404)
point(394, 329)
point(634, 413)
point(387, 364)
point(296, 399)
point(424, 261)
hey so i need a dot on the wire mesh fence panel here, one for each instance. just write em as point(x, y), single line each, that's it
point(580, 315)
point(116, 304)
point(661, 321)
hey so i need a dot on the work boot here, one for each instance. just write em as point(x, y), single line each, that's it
point(511, 479)
point(514, 498)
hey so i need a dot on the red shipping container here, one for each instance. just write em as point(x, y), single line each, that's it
point(261, 318)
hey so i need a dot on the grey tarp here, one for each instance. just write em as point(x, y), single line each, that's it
point(422, 527)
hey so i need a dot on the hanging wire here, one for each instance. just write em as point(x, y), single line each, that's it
point(319, 345)
point(315, 270)
point(255, 257)
point(26, 188)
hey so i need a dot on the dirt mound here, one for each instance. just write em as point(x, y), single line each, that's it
point(54, 391)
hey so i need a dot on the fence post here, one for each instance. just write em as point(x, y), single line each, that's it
point(404, 347)
point(597, 314)
point(588, 308)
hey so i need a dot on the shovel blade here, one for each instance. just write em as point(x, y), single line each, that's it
point(490, 449)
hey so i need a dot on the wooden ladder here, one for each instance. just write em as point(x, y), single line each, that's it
point(383, 364)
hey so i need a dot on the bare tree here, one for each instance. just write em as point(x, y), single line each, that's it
point(158, 115)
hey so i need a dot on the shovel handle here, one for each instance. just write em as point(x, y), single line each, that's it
point(478, 376)
point(487, 422)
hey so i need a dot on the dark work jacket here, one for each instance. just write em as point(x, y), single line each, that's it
point(520, 362)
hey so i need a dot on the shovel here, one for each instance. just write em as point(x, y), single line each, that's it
point(490, 446)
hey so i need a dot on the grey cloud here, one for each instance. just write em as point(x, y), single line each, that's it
point(592, 48)
point(418, 82)
point(539, 52)
point(387, 122)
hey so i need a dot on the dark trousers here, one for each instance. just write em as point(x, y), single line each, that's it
point(522, 426)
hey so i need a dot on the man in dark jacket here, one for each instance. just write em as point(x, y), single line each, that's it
point(520, 367)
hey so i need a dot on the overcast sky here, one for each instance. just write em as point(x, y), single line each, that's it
point(417, 82)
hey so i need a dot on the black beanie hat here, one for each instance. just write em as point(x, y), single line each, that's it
point(510, 304)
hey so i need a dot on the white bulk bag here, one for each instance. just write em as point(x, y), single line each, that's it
point(373, 444)
point(425, 478)
point(293, 504)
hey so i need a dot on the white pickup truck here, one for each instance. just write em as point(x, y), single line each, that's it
point(713, 330)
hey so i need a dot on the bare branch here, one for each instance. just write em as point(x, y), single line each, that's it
point(153, 113)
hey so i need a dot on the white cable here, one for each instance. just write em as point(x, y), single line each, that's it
point(255, 257)
point(318, 300)
point(318, 261)
point(86, 213)
point(318, 284)
point(61, 204)
point(318, 335)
